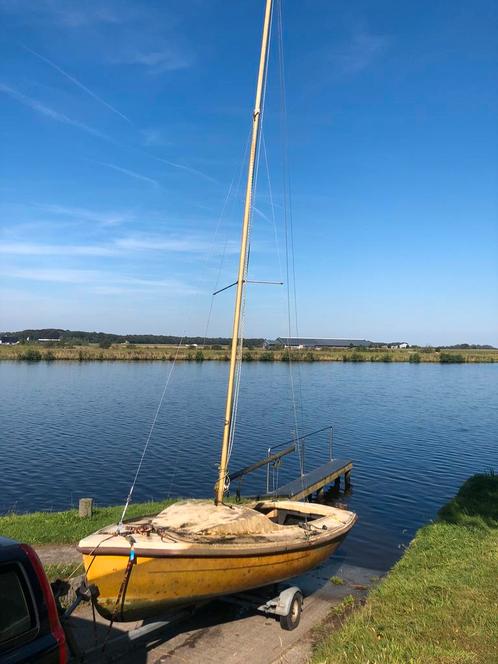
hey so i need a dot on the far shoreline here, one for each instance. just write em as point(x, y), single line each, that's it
point(36, 352)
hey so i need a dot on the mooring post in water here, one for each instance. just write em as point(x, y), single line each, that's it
point(347, 479)
point(85, 509)
point(331, 443)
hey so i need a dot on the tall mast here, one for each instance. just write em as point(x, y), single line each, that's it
point(256, 121)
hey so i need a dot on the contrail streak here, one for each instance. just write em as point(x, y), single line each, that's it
point(76, 82)
point(49, 112)
point(188, 169)
point(131, 174)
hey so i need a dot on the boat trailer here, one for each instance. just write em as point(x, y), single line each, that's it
point(285, 605)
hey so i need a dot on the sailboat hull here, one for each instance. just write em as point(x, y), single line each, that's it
point(157, 584)
point(141, 573)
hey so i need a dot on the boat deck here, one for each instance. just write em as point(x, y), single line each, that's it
point(315, 480)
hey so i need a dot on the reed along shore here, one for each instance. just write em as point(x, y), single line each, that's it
point(36, 352)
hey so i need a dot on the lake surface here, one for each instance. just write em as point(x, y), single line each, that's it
point(414, 433)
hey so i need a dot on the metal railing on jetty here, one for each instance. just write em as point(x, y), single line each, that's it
point(295, 445)
point(307, 483)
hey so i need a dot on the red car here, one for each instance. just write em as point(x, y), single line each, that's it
point(30, 630)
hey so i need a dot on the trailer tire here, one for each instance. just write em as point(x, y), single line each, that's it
point(291, 620)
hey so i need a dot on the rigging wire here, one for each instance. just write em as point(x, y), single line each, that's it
point(176, 456)
point(272, 206)
point(289, 239)
point(221, 263)
point(168, 379)
point(238, 368)
point(218, 226)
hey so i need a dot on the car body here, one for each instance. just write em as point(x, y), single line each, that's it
point(30, 630)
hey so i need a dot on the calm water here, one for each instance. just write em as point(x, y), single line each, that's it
point(414, 432)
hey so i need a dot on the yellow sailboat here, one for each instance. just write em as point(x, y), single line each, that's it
point(196, 550)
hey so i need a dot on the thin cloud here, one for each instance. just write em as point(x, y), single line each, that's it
point(33, 249)
point(131, 174)
point(194, 245)
point(123, 285)
point(69, 14)
point(156, 62)
point(76, 82)
point(158, 283)
point(76, 18)
point(359, 54)
point(58, 275)
point(119, 247)
point(99, 280)
point(48, 112)
point(169, 287)
point(188, 169)
point(104, 218)
point(173, 244)
point(154, 137)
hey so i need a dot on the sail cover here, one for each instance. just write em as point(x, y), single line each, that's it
point(204, 518)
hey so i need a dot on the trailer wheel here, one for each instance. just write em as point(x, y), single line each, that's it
point(291, 620)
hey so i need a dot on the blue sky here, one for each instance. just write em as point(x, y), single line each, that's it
point(124, 126)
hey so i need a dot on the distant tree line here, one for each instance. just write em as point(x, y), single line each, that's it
point(104, 339)
point(430, 349)
point(472, 346)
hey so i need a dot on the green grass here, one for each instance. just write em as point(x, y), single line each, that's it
point(345, 605)
point(439, 604)
point(336, 580)
point(67, 527)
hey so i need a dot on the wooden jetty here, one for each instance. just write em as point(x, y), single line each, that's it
point(306, 484)
point(316, 480)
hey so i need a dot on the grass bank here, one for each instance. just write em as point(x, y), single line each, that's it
point(439, 604)
point(67, 527)
point(146, 352)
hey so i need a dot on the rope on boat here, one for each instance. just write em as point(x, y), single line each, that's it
point(168, 379)
point(120, 599)
point(92, 553)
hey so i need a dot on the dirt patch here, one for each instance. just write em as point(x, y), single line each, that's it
point(57, 554)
